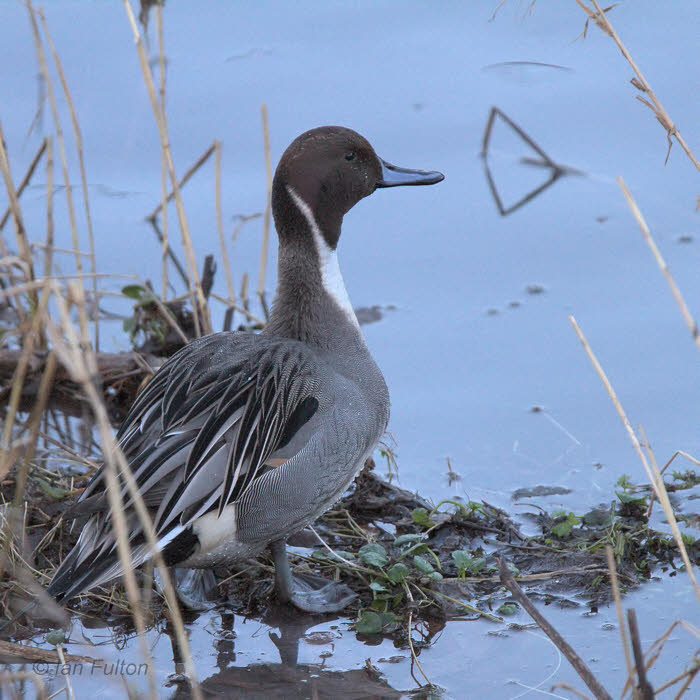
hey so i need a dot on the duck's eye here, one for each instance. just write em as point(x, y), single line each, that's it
point(350, 155)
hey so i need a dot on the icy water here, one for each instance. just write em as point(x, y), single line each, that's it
point(479, 335)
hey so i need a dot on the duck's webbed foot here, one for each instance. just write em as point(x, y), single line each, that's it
point(307, 592)
point(196, 589)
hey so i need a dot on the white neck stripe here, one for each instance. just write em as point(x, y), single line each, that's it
point(331, 278)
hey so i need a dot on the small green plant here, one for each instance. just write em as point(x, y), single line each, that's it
point(373, 622)
point(563, 523)
point(465, 562)
point(624, 482)
point(421, 517)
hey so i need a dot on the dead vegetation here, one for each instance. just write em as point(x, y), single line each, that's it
point(410, 561)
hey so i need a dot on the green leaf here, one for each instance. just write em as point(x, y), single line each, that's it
point(397, 573)
point(403, 539)
point(373, 554)
point(422, 564)
point(56, 492)
point(625, 481)
point(631, 498)
point(133, 291)
point(420, 516)
point(508, 609)
point(562, 529)
point(435, 575)
point(369, 623)
point(397, 600)
point(466, 562)
point(513, 569)
point(372, 622)
point(130, 326)
point(376, 586)
point(461, 559)
point(55, 637)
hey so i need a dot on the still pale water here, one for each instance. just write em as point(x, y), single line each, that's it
point(469, 349)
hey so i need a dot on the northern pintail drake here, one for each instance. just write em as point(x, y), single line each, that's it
point(240, 440)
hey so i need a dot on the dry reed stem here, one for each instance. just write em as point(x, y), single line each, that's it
point(69, 685)
point(618, 608)
point(26, 676)
point(184, 180)
point(82, 366)
point(220, 223)
point(660, 113)
point(199, 303)
point(34, 423)
point(685, 312)
point(19, 375)
point(250, 316)
point(59, 133)
point(559, 642)
point(23, 248)
point(77, 135)
point(167, 316)
point(689, 674)
point(117, 465)
point(677, 453)
point(655, 479)
point(25, 180)
point(268, 202)
point(409, 595)
point(163, 164)
point(48, 250)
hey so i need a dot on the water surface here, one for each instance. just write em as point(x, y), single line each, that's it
point(468, 351)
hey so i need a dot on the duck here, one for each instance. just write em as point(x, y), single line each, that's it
point(241, 439)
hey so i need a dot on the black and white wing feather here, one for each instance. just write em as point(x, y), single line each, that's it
point(219, 414)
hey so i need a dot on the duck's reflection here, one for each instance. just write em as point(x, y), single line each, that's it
point(288, 678)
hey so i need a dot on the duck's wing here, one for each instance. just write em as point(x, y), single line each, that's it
point(209, 423)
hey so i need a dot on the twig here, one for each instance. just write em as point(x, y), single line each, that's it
point(685, 312)
point(163, 164)
point(20, 231)
point(25, 180)
point(220, 224)
point(655, 479)
point(49, 656)
point(19, 376)
point(183, 180)
point(82, 365)
point(573, 658)
point(688, 674)
point(618, 607)
point(48, 251)
point(167, 251)
point(646, 692)
point(266, 218)
point(81, 163)
point(409, 595)
point(69, 685)
point(199, 306)
point(677, 453)
point(59, 135)
point(659, 112)
point(117, 465)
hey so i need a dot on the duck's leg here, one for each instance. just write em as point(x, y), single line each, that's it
point(307, 592)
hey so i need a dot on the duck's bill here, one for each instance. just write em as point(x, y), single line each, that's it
point(393, 176)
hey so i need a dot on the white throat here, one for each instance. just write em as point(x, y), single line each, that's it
point(331, 278)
